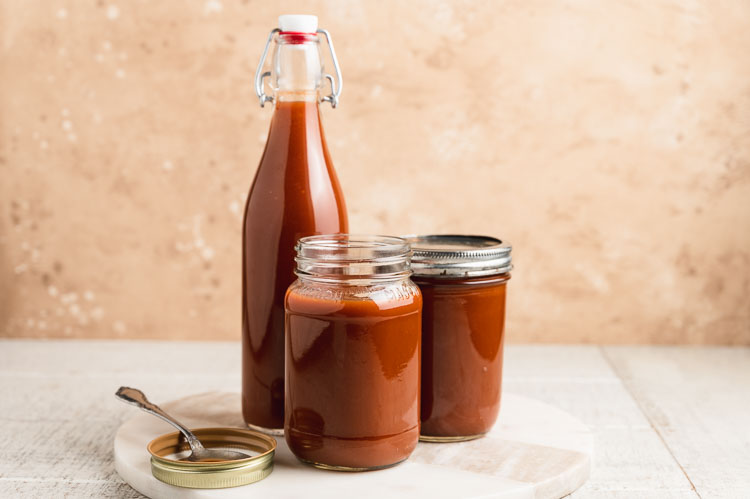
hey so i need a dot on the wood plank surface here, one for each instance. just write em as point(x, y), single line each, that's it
point(698, 402)
point(669, 422)
point(629, 457)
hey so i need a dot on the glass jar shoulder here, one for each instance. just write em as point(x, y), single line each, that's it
point(382, 299)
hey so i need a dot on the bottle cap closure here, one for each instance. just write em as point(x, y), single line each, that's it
point(299, 29)
point(298, 23)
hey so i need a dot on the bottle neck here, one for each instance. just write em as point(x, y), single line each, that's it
point(297, 71)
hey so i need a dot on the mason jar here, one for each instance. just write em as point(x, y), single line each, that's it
point(353, 322)
point(463, 283)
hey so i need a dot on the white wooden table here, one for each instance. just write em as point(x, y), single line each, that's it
point(668, 421)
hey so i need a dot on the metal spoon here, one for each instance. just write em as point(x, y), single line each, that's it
point(199, 453)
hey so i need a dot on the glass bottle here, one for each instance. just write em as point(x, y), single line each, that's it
point(295, 193)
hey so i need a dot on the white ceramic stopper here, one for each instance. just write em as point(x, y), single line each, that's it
point(298, 23)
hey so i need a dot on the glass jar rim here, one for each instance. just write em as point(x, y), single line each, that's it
point(351, 256)
point(338, 246)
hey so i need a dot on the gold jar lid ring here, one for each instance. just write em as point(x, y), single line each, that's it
point(213, 474)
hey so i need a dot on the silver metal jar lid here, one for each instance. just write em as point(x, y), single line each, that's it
point(459, 256)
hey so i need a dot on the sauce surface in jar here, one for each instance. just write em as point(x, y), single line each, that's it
point(353, 367)
point(463, 284)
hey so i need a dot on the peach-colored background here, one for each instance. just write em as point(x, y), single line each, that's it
point(608, 141)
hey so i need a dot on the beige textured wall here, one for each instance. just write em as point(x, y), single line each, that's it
point(608, 141)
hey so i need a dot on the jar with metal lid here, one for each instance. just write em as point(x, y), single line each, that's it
point(353, 320)
point(463, 283)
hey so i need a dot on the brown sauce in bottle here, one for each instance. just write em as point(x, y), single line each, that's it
point(295, 193)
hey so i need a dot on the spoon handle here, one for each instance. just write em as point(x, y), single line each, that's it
point(138, 398)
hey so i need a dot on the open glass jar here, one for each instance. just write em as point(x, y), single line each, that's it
point(353, 320)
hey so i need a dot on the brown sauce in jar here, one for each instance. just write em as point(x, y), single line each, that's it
point(353, 367)
point(462, 354)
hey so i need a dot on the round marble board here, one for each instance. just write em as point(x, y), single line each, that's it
point(534, 451)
